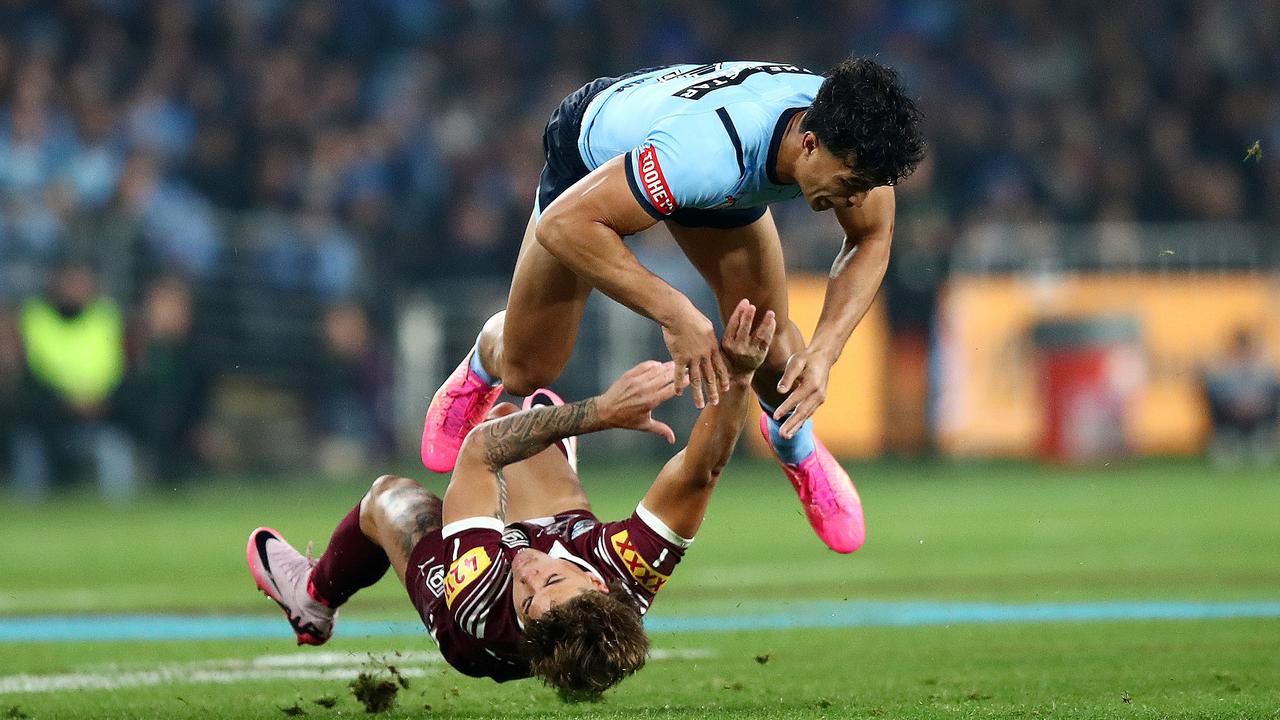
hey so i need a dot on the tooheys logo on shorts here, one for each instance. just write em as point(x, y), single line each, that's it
point(649, 173)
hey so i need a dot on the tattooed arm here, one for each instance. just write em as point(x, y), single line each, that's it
point(477, 487)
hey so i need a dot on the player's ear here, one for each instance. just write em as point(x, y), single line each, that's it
point(809, 142)
point(598, 584)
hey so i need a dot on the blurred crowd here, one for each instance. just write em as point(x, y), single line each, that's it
point(338, 152)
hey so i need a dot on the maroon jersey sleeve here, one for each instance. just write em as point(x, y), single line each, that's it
point(477, 574)
point(641, 551)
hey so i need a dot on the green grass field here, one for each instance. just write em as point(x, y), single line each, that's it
point(1007, 534)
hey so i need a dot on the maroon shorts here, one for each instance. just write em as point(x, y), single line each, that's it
point(424, 577)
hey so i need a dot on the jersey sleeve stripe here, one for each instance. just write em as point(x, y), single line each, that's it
point(733, 138)
point(775, 143)
point(655, 524)
point(637, 191)
point(471, 523)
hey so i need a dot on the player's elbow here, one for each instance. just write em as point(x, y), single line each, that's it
point(705, 477)
point(477, 446)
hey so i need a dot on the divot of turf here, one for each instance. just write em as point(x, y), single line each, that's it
point(375, 694)
point(16, 713)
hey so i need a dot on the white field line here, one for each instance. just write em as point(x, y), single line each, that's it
point(297, 666)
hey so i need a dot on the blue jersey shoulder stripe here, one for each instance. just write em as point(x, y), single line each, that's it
point(733, 138)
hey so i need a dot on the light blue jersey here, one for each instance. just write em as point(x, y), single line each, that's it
point(699, 136)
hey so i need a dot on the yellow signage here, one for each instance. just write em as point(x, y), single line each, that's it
point(989, 399)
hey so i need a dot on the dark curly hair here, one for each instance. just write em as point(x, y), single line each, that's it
point(587, 645)
point(863, 116)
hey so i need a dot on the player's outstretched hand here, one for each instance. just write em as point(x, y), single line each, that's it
point(805, 378)
point(691, 339)
point(744, 349)
point(630, 400)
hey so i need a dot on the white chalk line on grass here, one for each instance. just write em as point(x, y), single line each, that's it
point(295, 666)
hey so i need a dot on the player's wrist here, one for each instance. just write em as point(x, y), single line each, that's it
point(605, 411)
point(675, 310)
point(821, 349)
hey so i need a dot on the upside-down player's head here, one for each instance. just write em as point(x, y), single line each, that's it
point(588, 643)
point(865, 134)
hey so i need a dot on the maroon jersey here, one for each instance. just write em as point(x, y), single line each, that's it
point(460, 577)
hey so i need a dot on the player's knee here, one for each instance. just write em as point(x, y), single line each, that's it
point(374, 504)
point(708, 478)
point(501, 410)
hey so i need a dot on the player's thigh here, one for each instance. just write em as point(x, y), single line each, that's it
point(544, 311)
point(542, 486)
point(745, 262)
point(738, 262)
point(396, 514)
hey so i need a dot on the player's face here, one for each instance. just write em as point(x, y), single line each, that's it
point(826, 180)
point(540, 582)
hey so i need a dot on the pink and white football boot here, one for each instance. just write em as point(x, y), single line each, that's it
point(569, 445)
point(284, 575)
point(830, 500)
point(456, 409)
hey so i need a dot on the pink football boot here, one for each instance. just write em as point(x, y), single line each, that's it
point(457, 407)
point(284, 575)
point(830, 500)
point(567, 446)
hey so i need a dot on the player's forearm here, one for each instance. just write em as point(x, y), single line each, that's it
point(522, 435)
point(852, 284)
point(596, 253)
point(716, 432)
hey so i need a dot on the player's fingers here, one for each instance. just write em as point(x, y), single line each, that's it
point(678, 370)
point(732, 326)
point(742, 319)
point(789, 404)
point(795, 365)
point(722, 370)
point(805, 410)
point(695, 382)
point(662, 430)
point(665, 374)
point(712, 378)
point(764, 333)
point(663, 388)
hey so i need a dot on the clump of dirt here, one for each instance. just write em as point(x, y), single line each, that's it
point(375, 693)
point(327, 701)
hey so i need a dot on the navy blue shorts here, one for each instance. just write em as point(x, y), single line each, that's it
point(565, 166)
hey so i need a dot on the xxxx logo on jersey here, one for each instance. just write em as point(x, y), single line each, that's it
point(463, 571)
point(651, 579)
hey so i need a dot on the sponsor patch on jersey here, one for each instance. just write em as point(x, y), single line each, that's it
point(464, 571)
point(581, 527)
point(649, 174)
point(651, 579)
